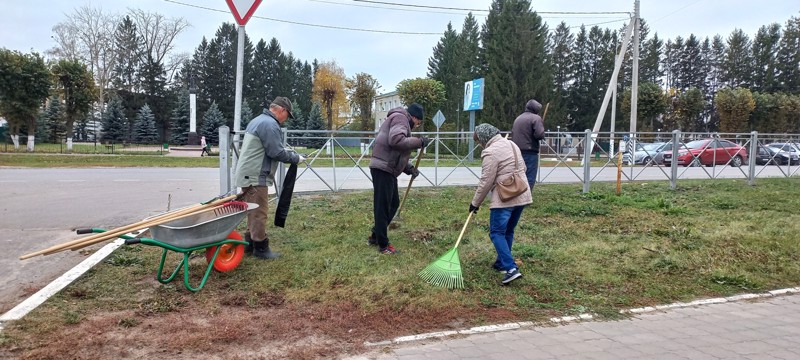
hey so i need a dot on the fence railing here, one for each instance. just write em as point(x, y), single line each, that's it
point(80, 147)
point(339, 160)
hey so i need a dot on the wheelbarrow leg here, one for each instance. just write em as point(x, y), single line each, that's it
point(205, 276)
point(175, 272)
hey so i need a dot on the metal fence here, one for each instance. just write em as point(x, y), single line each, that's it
point(339, 160)
point(81, 147)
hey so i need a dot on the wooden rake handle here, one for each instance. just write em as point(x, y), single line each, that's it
point(408, 188)
point(463, 229)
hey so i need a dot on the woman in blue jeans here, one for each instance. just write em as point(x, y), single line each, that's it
point(500, 159)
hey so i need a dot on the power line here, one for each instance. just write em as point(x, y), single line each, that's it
point(311, 25)
point(419, 6)
point(481, 15)
point(395, 9)
point(482, 10)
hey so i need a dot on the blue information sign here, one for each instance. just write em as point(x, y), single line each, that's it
point(473, 95)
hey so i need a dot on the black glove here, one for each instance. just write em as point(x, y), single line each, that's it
point(473, 208)
point(425, 142)
point(414, 172)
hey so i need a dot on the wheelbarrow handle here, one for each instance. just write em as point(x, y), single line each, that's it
point(132, 241)
point(84, 231)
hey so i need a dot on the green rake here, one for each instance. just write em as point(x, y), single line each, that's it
point(446, 271)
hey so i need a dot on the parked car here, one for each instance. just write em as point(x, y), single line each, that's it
point(769, 155)
point(709, 152)
point(790, 147)
point(644, 154)
point(667, 148)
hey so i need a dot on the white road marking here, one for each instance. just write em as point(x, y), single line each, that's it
point(126, 180)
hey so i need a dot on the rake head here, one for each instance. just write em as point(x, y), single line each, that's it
point(445, 271)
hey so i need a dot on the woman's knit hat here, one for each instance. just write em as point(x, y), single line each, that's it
point(485, 132)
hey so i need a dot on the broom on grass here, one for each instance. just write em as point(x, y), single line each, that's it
point(446, 271)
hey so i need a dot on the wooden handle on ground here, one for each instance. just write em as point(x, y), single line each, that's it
point(128, 228)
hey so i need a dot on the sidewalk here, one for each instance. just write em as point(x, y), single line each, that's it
point(765, 328)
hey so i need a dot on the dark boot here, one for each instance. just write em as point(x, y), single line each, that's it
point(261, 250)
point(248, 249)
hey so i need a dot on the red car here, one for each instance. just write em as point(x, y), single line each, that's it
point(709, 152)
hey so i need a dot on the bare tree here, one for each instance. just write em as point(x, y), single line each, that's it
point(158, 34)
point(87, 35)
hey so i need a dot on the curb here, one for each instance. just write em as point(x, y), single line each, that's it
point(32, 302)
point(568, 319)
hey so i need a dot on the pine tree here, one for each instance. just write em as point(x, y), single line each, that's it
point(213, 119)
point(298, 123)
point(562, 42)
point(154, 87)
point(765, 49)
point(247, 115)
point(514, 40)
point(314, 122)
point(145, 131)
point(303, 85)
point(447, 65)
point(649, 69)
point(115, 124)
point(788, 73)
point(737, 67)
point(129, 56)
point(53, 127)
point(690, 72)
point(179, 122)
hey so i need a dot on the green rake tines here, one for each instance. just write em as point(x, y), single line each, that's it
point(446, 271)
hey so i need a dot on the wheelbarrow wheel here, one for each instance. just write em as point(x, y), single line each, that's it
point(230, 255)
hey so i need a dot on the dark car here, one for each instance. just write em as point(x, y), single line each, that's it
point(667, 148)
point(768, 155)
point(709, 152)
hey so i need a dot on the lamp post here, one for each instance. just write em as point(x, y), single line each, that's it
point(193, 139)
point(558, 139)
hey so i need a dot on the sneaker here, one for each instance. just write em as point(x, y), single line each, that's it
point(389, 250)
point(511, 275)
point(371, 241)
point(497, 267)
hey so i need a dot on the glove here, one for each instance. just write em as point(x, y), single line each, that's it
point(414, 172)
point(473, 208)
point(425, 142)
point(302, 159)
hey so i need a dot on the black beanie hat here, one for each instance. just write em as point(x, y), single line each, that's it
point(416, 111)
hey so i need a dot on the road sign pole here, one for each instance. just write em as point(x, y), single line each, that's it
point(237, 108)
point(471, 131)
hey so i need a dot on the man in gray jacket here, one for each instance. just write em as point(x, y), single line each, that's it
point(392, 149)
point(527, 131)
point(262, 149)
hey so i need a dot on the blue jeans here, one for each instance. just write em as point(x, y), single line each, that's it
point(532, 165)
point(502, 223)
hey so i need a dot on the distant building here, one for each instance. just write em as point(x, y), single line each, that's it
point(384, 103)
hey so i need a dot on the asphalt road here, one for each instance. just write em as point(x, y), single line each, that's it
point(42, 207)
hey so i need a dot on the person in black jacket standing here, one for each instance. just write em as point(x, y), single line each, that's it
point(392, 149)
point(527, 131)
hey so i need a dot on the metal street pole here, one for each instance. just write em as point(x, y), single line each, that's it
point(237, 109)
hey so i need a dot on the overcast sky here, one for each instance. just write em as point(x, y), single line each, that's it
point(27, 25)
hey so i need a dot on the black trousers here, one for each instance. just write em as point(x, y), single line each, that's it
point(385, 201)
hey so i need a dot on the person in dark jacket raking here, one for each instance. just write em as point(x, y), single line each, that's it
point(392, 150)
point(527, 131)
point(262, 149)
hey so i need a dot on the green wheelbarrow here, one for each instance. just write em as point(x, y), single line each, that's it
point(211, 231)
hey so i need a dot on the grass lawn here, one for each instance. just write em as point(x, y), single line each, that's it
point(330, 292)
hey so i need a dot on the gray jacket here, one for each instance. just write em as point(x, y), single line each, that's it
point(262, 149)
point(394, 143)
point(528, 128)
